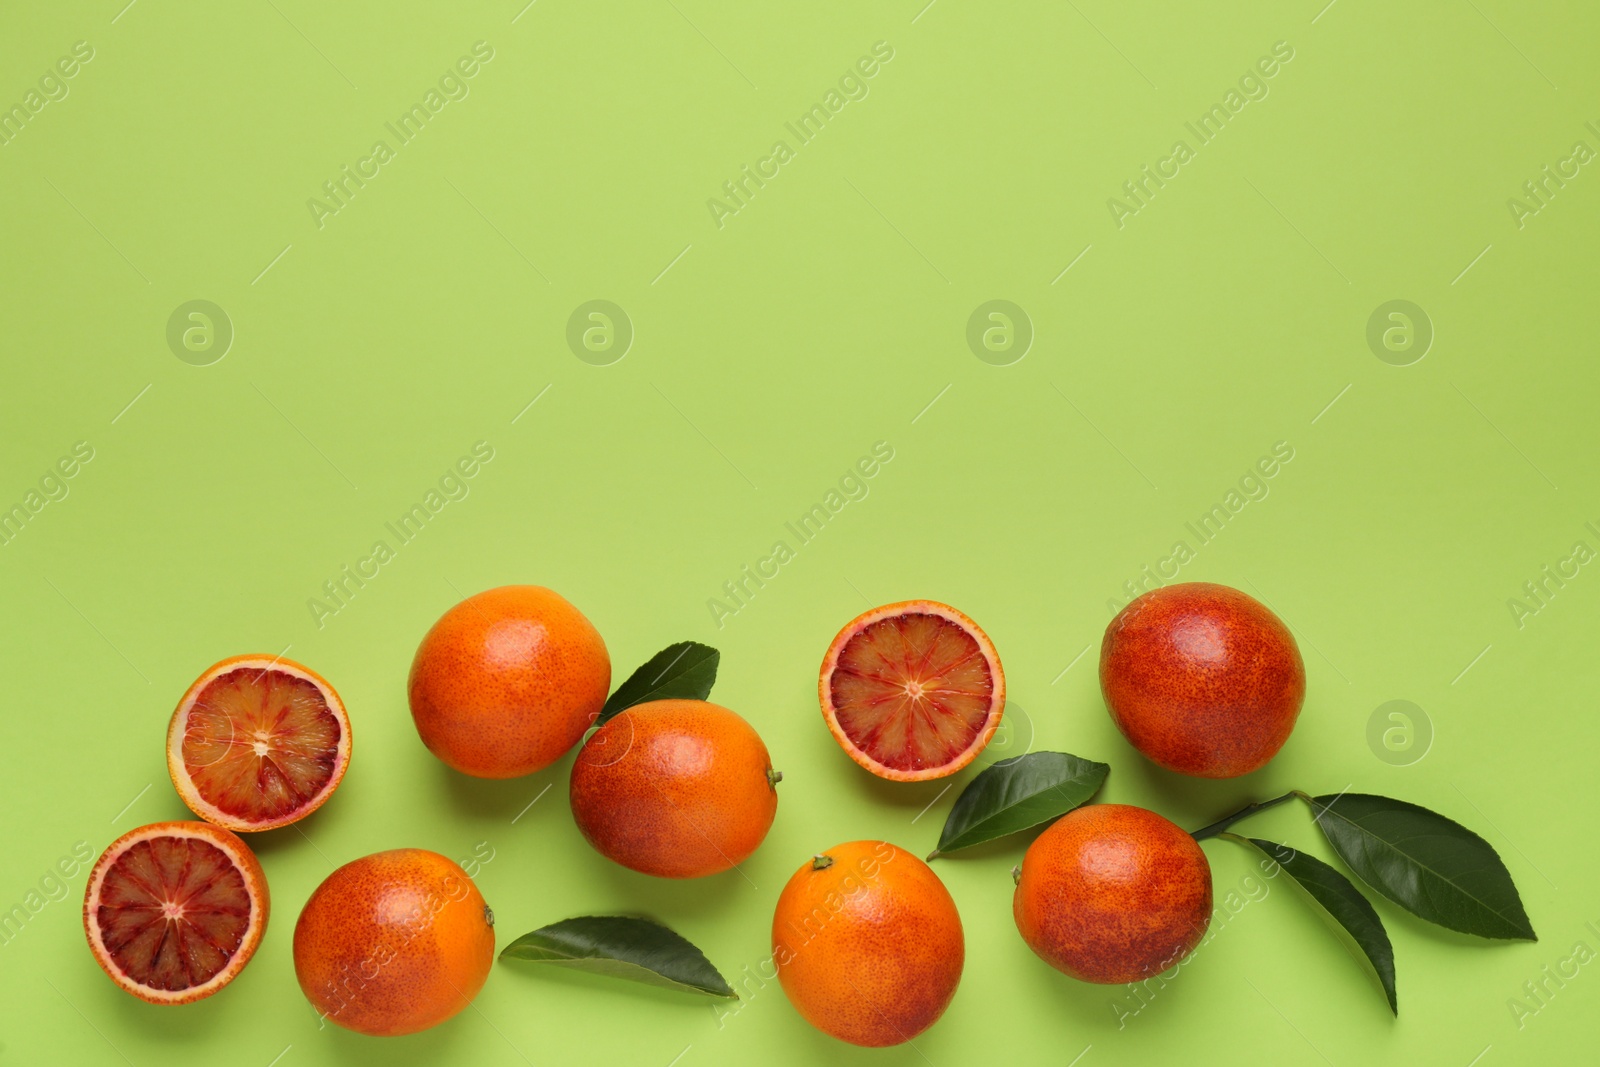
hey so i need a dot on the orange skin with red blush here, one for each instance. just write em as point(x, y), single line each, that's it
point(1202, 679)
point(1112, 893)
point(675, 788)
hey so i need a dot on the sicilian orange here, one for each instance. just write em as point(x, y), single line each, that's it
point(868, 944)
point(1113, 893)
point(676, 788)
point(1203, 679)
point(394, 943)
point(257, 742)
point(174, 910)
point(912, 691)
point(507, 681)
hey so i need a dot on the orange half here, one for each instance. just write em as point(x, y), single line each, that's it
point(258, 742)
point(912, 691)
point(174, 910)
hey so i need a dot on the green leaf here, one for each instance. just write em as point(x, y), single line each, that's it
point(1434, 868)
point(623, 947)
point(684, 671)
point(1344, 903)
point(1017, 793)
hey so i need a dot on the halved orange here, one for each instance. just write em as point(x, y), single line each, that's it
point(174, 910)
point(257, 742)
point(912, 691)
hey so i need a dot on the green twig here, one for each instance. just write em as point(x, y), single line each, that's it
point(1243, 813)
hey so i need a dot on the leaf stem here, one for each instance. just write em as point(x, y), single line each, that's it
point(1243, 813)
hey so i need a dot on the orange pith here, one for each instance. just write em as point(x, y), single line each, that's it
point(912, 690)
point(257, 742)
point(173, 911)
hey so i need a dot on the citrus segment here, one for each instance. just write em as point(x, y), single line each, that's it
point(912, 690)
point(174, 911)
point(257, 743)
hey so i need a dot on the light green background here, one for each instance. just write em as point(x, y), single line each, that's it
point(770, 354)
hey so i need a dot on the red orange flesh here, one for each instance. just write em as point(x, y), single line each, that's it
point(258, 742)
point(173, 911)
point(912, 691)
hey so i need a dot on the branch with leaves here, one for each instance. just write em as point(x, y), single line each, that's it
point(1427, 864)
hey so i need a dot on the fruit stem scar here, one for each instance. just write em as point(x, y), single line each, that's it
point(1243, 813)
point(1016, 874)
point(488, 915)
point(821, 863)
point(774, 777)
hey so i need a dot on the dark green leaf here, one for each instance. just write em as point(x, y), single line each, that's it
point(1344, 902)
point(1434, 868)
point(623, 947)
point(1015, 794)
point(684, 671)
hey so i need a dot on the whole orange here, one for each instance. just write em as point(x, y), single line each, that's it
point(868, 944)
point(1202, 678)
point(676, 788)
point(394, 943)
point(1113, 893)
point(507, 681)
